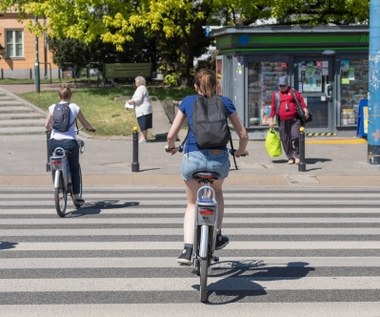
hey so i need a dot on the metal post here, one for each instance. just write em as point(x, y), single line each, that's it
point(135, 157)
point(374, 84)
point(37, 64)
point(47, 151)
point(302, 164)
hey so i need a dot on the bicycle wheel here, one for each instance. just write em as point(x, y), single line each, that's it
point(60, 195)
point(203, 263)
point(76, 204)
point(203, 272)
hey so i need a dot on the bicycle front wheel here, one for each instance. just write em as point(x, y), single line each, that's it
point(60, 194)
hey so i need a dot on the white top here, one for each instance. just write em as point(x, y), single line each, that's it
point(71, 133)
point(142, 102)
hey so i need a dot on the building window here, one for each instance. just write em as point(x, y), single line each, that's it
point(15, 43)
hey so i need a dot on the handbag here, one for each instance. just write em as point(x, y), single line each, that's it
point(273, 143)
point(301, 112)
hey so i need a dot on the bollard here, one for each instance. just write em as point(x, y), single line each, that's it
point(135, 153)
point(302, 164)
point(47, 151)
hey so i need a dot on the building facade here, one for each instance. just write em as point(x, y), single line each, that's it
point(328, 65)
point(21, 50)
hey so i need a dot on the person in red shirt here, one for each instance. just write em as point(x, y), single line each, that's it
point(287, 117)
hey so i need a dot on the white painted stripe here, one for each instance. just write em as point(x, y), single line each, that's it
point(309, 309)
point(179, 231)
point(170, 262)
point(179, 192)
point(236, 245)
point(165, 220)
point(47, 193)
point(257, 210)
point(242, 283)
point(237, 202)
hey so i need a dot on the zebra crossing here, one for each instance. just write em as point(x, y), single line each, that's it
point(293, 252)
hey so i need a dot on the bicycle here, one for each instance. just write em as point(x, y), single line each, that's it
point(60, 168)
point(205, 229)
point(205, 225)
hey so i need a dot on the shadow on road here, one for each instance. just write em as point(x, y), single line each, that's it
point(242, 279)
point(93, 208)
point(4, 245)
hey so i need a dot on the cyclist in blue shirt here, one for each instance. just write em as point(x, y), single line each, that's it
point(196, 159)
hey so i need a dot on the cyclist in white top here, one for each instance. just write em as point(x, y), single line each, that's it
point(67, 140)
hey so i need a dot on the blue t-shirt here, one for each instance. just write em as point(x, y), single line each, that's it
point(186, 107)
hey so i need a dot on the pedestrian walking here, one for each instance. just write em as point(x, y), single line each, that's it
point(284, 107)
point(140, 101)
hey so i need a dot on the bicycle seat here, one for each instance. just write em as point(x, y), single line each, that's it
point(206, 175)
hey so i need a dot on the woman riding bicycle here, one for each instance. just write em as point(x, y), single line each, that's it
point(196, 159)
point(67, 140)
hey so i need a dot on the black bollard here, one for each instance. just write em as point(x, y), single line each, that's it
point(135, 156)
point(47, 151)
point(302, 164)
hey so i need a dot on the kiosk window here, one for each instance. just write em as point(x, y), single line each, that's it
point(262, 81)
point(353, 88)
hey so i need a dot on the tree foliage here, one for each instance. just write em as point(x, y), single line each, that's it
point(171, 32)
point(321, 12)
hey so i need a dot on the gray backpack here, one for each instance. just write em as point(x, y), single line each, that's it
point(210, 126)
point(61, 117)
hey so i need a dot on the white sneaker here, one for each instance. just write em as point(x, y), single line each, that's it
point(297, 160)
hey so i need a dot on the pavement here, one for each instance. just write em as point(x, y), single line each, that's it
point(107, 162)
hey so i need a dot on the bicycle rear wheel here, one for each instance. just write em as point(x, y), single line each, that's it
point(60, 195)
point(203, 272)
point(203, 263)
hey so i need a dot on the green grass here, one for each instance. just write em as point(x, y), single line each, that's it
point(104, 106)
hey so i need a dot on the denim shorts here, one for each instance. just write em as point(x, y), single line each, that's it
point(205, 160)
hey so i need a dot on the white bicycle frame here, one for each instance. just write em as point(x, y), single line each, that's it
point(60, 164)
point(206, 220)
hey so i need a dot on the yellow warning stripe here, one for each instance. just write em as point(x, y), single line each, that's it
point(321, 134)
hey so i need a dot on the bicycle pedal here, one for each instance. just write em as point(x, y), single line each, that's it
point(215, 259)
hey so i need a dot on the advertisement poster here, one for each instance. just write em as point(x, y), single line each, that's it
point(311, 73)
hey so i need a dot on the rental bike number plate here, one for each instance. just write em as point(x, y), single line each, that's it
point(206, 214)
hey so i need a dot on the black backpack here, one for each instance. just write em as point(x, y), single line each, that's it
point(61, 117)
point(210, 126)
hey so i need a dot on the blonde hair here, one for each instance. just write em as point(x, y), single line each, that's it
point(205, 82)
point(65, 93)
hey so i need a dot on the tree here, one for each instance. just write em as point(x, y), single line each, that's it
point(321, 12)
point(175, 28)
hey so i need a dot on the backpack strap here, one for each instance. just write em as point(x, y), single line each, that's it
point(278, 102)
point(300, 111)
